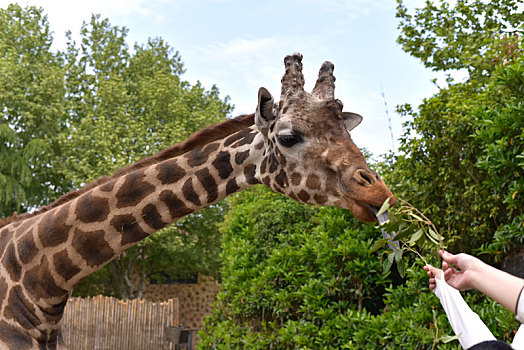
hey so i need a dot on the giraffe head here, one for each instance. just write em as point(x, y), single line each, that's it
point(308, 152)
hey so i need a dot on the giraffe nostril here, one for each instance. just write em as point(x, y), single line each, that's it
point(364, 178)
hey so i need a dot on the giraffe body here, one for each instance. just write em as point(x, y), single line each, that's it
point(300, 147)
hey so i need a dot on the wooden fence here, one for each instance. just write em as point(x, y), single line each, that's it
point(108, 323)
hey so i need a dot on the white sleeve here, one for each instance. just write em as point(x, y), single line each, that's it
point(520, 307)
point(518, 341)
point(465, 323)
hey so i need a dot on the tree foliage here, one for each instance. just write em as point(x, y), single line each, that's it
point(71, 116)
point(32, 110)
point(129, 104)
point(468, 35)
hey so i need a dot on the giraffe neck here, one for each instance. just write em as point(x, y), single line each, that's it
point(50, 253)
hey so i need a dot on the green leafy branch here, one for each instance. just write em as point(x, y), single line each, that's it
point(409, 226)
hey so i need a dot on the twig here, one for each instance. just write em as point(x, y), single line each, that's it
point(406, 246)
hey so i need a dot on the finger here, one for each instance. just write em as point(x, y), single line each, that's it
point(449, 273)
point(448, 257)
point(436, 272)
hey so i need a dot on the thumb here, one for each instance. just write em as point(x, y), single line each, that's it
point(448, 257)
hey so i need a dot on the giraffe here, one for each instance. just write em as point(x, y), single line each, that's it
point(300, 147)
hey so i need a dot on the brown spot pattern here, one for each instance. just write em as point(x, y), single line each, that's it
point(133, 190)
point(209, 184)
point(267, 181)
point(303, 196)
point(273, 163)
point(222, 163)
point(169, 172)
point(177, 208)
point(152, 217)
point(232, 186)
point(21, 310)
point(199, 156)
point(53, 230)
point(189, 192)
point(108, 186)
point(295, 179)
point(92, 209)
point(281, 157)
point(5, 237)
point(313, 182)
point(93, 247)
point(263, 165)
point(281, 179)
point(13, 338)
point(243, 137)
point(55, 312)
point(320, 199)
point(129, 228)
point(3, 288)
point(25, 226)
point(235, 137)
point(248, 138)
point(250, 174)
point(11, 264)
point(64, 266)
point(27, 249)
point(241, 157)
point(40, 283)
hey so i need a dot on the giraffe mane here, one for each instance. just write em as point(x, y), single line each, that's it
point(200, 138)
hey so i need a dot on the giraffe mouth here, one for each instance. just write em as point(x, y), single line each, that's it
point(382, 217)
point(367, 212)
point(363, 211)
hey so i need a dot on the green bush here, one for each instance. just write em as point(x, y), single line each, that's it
point(303, 277)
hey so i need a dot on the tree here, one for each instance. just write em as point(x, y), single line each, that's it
point(468, 35)
point(32, 110)
point(125, 105)
point(450, 161)
point(69, 117)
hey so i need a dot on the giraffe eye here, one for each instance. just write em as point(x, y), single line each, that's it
point(289, 140)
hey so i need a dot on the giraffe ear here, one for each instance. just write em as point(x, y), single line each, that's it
point(351, 120)
point(264, 114)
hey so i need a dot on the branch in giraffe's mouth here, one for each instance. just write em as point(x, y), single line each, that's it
point(382, 218)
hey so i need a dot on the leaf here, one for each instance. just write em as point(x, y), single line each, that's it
point(378, 244)
point(431, 239)
point(385, 206)
point(388, 262)
point(434, 235)
point(401, 268)
point(416, 236)
point(398, 255)
point(447, 338)
point(418, 218)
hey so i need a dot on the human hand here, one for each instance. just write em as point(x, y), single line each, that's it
point(460, 270)
point(433, 273)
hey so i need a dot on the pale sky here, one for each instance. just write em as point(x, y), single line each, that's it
point(240, 45)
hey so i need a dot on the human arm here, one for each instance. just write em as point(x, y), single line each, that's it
point(463, 272)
